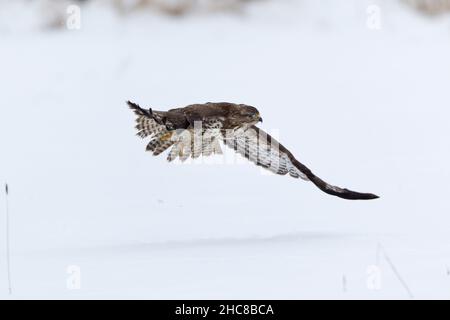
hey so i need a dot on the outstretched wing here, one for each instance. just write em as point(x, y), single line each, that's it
point(263, 150)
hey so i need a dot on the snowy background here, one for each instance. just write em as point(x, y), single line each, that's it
point(358, 90)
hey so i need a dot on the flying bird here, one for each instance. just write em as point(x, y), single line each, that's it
point(198, 129)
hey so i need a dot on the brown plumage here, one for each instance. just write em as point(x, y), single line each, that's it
point(197, 130)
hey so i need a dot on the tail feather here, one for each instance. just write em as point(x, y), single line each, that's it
point(148, 127)
point(173, 153)
point(162, 147)
point(159, 145)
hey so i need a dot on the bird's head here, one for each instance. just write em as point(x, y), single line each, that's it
point(246, 114)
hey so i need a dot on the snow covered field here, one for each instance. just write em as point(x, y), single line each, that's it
point(364, 109)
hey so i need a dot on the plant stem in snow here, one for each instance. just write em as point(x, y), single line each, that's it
point(8, 260)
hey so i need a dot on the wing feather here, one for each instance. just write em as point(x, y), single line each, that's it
point(255, 145)
point(263, 150)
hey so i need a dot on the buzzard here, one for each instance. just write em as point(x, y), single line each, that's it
point(198, 129)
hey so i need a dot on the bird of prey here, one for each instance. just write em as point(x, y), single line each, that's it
point(198, 129)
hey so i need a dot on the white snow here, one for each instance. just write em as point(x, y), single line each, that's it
point(364, 109)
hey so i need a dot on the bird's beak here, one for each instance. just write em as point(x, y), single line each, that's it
point(260, 119)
